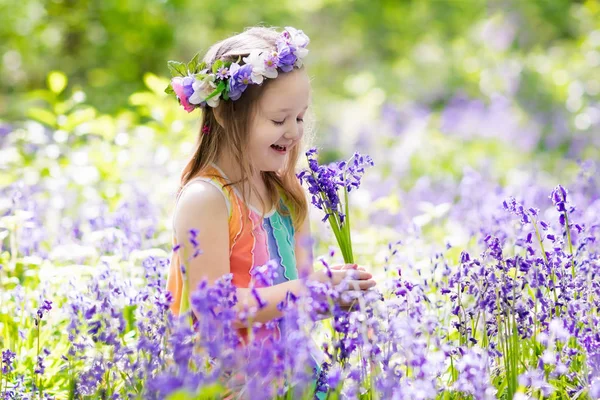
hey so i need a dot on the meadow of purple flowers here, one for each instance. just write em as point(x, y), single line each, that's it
point(492, 292)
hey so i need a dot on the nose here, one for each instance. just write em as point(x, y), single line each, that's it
point(294, 132)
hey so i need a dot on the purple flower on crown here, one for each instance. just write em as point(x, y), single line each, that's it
point(271, 60)
point(223, 73)
point(299, 42)
point(287, 58)
point(241, 77)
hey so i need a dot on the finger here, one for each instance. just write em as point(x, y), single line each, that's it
point(362, 284)
point(353, 274)
point(350, 266)
point(360, 275)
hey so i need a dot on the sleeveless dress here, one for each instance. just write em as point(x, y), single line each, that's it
point(253, 241)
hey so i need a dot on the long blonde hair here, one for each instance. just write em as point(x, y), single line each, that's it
point(236, 117)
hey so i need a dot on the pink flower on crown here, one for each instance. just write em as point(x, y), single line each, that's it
point(270, 63)
point(182, 86)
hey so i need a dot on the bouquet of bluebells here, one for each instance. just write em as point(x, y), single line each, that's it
point(328, 185)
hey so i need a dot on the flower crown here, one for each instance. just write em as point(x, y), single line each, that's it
point(196, 85)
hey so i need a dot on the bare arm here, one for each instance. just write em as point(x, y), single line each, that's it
point(202, 207)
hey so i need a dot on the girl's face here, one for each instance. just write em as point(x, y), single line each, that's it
point(278, 123)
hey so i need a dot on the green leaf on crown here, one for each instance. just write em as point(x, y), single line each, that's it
point(177, 68)
point(220, 88)
point(193, 65)
point(169, 89)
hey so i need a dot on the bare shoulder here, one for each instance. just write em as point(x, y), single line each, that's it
point(200, 203)
point(202, 208)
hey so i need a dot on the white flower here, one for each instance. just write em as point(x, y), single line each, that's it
point(257, 59)
point(300, 41)
point(202, 89)
point(549, 357)
point(557, 329)
point(298, 38)
point(300, 54)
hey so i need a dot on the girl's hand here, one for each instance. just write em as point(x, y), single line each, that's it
point(360, 279)
point(347, 266)
point(351, 305)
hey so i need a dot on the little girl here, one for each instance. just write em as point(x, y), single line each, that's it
point(240, 204)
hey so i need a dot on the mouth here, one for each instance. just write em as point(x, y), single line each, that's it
point(279, 149)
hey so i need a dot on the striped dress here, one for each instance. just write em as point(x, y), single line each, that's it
point(253, 241)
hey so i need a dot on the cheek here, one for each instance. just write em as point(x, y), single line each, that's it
point(300, 131)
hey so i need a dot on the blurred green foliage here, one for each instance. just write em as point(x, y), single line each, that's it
point(428, 88)
point(106, 47)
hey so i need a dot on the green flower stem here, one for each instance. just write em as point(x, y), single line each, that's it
point(568, 229)
point(347, 226)
point(341, 231)
point(540, 241)
point(38, 380)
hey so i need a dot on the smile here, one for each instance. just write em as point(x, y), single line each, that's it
point(279, 149)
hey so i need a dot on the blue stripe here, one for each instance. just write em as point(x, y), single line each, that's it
point(285, 245)
point(274, 250)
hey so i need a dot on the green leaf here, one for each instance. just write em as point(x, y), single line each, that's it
point(42, 115)
point(79, 117)
point(129, 316)
point(217, 91)
point(193, 64)
point(177, 68)
point(218, 64)
point(169, 89)
point(57, 81)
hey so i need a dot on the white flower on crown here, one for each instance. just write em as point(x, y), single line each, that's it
point(260, 69)
point(300, 41)
point(203, 88)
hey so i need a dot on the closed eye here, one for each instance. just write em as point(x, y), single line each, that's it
point(279, 123)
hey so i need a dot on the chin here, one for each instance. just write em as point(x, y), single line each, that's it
point(273, 167)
